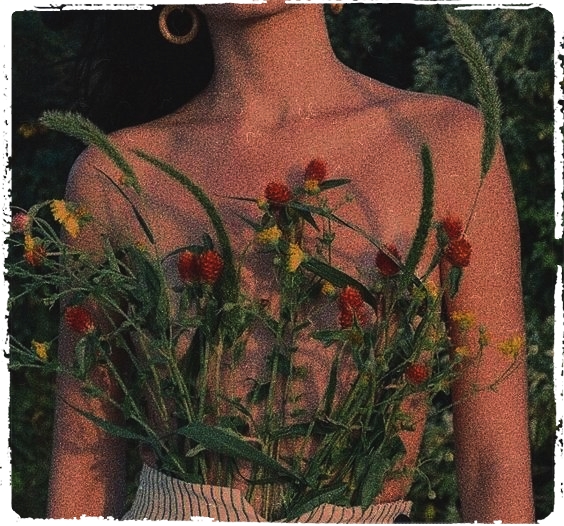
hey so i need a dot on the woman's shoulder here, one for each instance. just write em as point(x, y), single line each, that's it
point(95, 161)
point(101, 177)
point(451, 129)
point(430, 116)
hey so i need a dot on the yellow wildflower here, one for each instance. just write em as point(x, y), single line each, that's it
point(40, 349)
point(464, 320)
point(328, 289)
point(436, 334)
point(66, 217)
point(34, 251)
point(269, 236)
point(432, 289)
point(262, 203)
point(295, 257)
point(462, 351)
point(29, 242)
point(311, 186)
point(59, 210)
point(512, 346)
point(72, 226)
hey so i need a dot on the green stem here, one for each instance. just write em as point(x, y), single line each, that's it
point(229, 275)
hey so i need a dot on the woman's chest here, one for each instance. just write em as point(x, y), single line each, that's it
point(382, 196)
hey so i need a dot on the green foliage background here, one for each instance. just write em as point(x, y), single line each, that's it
point(403, 45)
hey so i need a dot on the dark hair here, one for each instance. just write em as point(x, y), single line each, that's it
point(126, 72)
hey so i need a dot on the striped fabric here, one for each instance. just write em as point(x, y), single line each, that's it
point(160, 497)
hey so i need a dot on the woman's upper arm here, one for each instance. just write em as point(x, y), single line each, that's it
point(490, 395)
point(87, 473)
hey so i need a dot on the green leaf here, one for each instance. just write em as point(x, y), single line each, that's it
point(331, 387)
point(111, 428)
point(227, 442)
point(425, 217)
point(142, 223)
point(84, 355)
point(376, 466)
point(110, 254)
point(330, 336)
point(293, 430)
point(454, 278)
point(306, 215)
point(152, 298)
point(332, 183)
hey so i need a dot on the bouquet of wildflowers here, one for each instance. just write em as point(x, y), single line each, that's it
point(388, 332)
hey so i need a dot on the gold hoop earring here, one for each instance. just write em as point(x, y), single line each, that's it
point(165, 26)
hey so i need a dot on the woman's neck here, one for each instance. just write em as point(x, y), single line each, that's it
point(272, 70)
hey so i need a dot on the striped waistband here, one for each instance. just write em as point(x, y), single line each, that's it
point(161, 497)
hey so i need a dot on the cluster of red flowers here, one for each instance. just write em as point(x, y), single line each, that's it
point(351, 308)
point(205, 267)
point(316, 171)
point(417, 373)
point(79, 319)
point(277, 193)
point(20, 222)
point(458, 250)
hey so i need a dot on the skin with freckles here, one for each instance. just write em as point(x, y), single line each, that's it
point(278, 99)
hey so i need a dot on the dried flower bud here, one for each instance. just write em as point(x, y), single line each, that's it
point(66, 216)
point(269, 236)
point(453, 227)
point(277, 193)
point(211, 265)
point(351, 307)
point(316, 171)
point(458, 252)
point(311, 186)
point(328, 289)
point(464, 320)
point(512, 347)
point(189, 266)
point(20, 222)
point(416, 373)
point(295, 257)
point(385, 264)
point(79, 319)
point(262, 203)
point(41, 349)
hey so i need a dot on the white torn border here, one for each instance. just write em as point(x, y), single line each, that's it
point(554, 6)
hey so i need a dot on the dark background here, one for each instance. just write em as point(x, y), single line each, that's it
point(128, 74)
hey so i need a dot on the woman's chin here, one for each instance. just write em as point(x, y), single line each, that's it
point(237, 11)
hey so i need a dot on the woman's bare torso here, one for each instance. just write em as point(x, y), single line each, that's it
point(375, 145)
